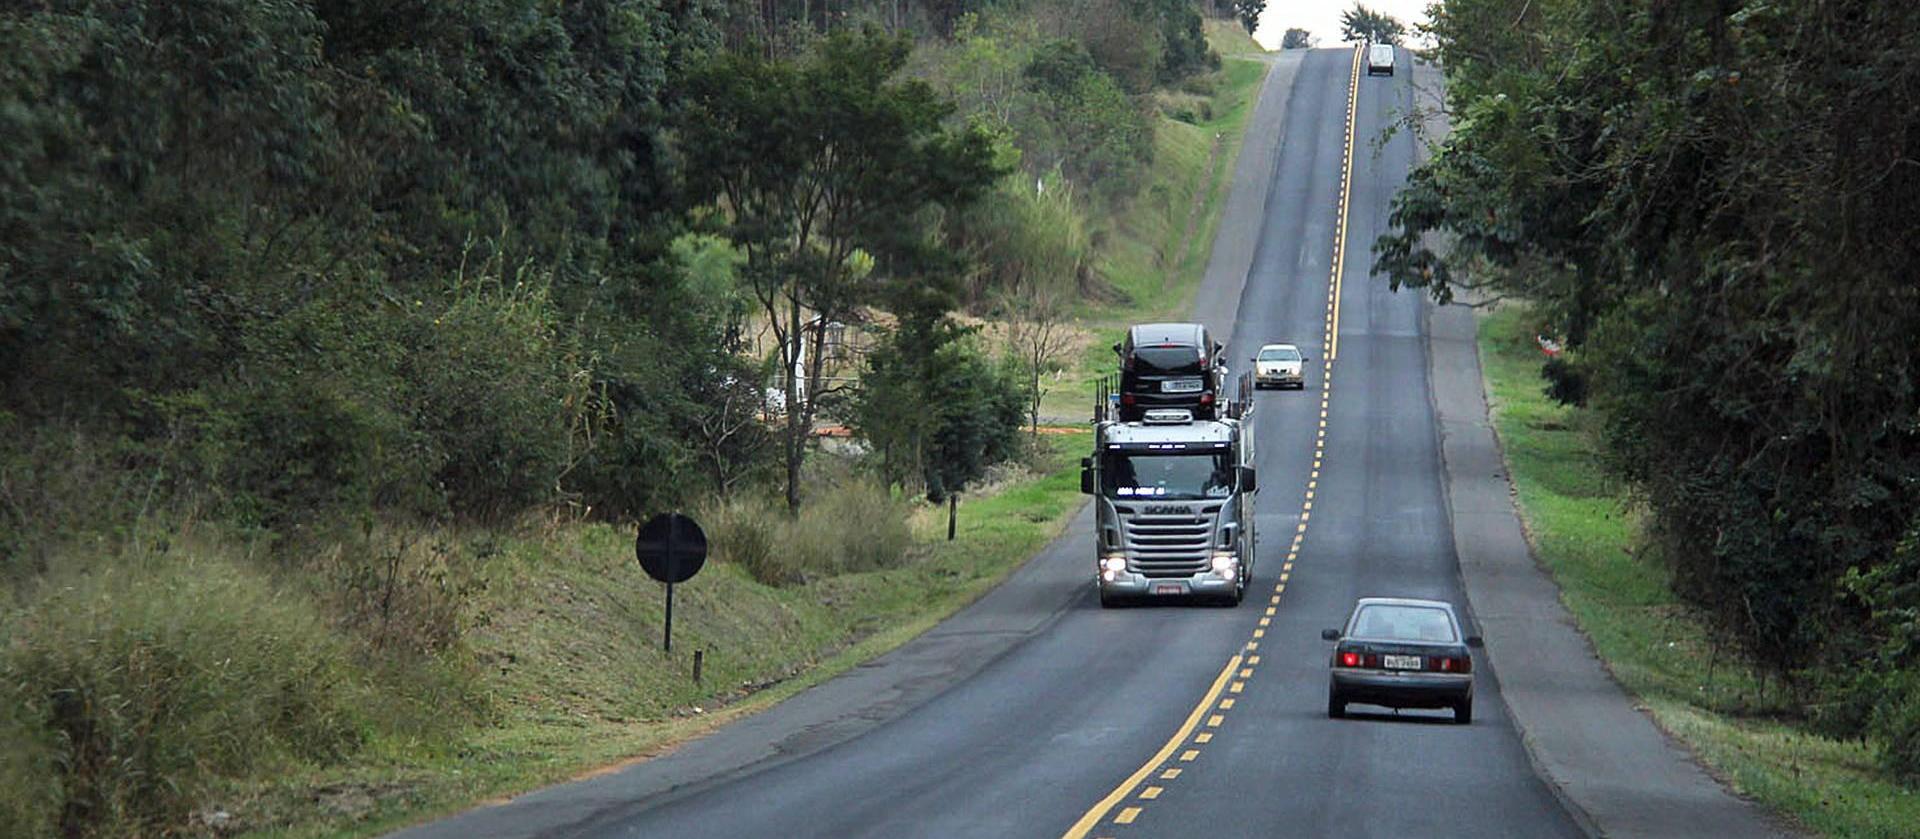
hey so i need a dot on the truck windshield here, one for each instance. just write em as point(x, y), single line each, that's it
point(1166, 476)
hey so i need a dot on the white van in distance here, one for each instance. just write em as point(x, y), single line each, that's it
point(1380, 60)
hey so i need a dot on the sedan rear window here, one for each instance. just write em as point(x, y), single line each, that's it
point(1404, 623)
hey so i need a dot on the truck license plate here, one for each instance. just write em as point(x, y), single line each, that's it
point(1400, 662)
point(1180, 386)
point(1169, 588)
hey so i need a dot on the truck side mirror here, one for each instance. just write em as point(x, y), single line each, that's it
point(1248, 481)
point(1086, 481)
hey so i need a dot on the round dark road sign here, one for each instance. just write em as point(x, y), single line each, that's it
point(671, 547)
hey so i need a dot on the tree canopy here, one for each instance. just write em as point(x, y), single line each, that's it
point(1363, 24)
point(821, 167)
point(1248, 11)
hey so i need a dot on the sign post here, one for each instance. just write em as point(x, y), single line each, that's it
point(671, 548)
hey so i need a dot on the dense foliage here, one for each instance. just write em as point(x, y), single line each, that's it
point(936, 409)
point(407, 255)
point(1709, 201)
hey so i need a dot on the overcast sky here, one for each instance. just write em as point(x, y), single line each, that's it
point(1322, 17)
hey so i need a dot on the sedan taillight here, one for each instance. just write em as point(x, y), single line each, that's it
point(1449, 664)
point(1349, 659)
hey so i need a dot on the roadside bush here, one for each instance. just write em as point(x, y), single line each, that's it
point(130, 690)
point(844, 527)
point(464, 404)
point(29, 799)
point(1017, 235)
point(56, 482)
point(298, 443)
point(1566, 382)
point(1897, 722)
point(401, 593)
point(497, 395)
point(745, 532)
point(1082, 121)
point(852, 526)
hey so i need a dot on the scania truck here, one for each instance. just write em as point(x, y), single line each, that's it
point(1173, 499)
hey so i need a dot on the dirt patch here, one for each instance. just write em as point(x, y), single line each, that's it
point(355, 801)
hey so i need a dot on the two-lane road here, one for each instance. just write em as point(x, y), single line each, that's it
point(1048, 736)
point(1276, 765)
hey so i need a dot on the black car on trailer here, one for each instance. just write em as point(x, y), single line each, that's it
point(1169, 365)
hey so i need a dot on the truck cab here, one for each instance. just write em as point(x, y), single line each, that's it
point(1174, 507)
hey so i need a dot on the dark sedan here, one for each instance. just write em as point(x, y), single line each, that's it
point(1402, 653)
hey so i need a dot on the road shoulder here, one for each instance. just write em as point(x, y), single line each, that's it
point(1618, 774)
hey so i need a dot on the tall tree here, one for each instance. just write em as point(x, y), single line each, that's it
point(1038, 333)
point(935, 408)
point(1248, 11)
point(1363, 24)
point(1296, 39)
point(825, 168)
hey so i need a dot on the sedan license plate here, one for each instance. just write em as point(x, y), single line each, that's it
point(1400, 662)
point(1169, 588)
point(1180, 386)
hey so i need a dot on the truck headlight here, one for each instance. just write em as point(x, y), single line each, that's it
point(1114, 564)
point(1225, 563)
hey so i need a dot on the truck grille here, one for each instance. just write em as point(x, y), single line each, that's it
point(1176, 545)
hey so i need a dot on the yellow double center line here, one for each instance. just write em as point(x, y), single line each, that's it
point(1185, 746)
point(1340, 224)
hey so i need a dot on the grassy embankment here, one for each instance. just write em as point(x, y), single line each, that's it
point(1158, 252)
point(569, 648)
point(567, 641)
point(1584, 533)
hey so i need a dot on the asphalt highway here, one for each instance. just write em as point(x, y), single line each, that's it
point(1038, 713)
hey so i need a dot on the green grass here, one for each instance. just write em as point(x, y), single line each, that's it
point(1228, 37)
point(1658, 647)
